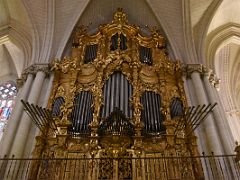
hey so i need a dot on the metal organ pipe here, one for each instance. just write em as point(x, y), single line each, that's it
point(154, 115)
point(121, 92)
point(145, 55)
point(112, 93)
point(117, 91)
point(152, 111)
point(82, 119)
point(114, 41)
point(176, 108)
point(151, 114)
point(89, 110)
point(79, 111)
point(118, 81)
point(126, 98)
point(86, 114)
point(123, 45)
point(147, 109)
point(81, 114)
point(159, 117)
point(56, 106)
point(90, 53)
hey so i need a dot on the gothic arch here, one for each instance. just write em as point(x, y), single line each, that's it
point(222, 44)
point(80, 19)
point(217, 38)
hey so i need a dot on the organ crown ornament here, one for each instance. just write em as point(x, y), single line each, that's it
point(119, 17)
point(118, 95)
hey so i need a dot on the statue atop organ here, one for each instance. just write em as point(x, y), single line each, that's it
point(118, 95)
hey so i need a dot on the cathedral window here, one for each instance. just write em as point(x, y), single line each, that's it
point(8, 92)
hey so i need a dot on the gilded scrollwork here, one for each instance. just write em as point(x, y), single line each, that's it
point(164, 77)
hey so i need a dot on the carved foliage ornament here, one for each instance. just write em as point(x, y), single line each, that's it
point(73, 75)
point(118, 46)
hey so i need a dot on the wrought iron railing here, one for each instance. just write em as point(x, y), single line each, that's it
point(172, 167)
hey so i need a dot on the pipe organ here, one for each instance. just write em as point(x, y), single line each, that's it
point(118, 95)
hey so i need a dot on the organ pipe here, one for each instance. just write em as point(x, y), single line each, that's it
point(90, 53)
point(56, 106)
point(117, 91)
point(123, 43)
point(81, 115)
point(145, 55)
point(151, 114)
point(176, 108)
point(114, 41)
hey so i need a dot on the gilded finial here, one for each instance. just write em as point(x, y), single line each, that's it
point(119, 17)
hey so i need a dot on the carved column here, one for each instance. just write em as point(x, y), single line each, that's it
point(15, 118)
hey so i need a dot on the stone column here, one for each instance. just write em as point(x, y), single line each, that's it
point(26, 123)
point(10, 132)
point(208, 128)
point(220, 120)
point(43, 101)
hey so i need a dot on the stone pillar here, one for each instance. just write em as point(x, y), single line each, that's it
point(26, 123)
point(10, 132)
point(208, 130)
point(43, 101)
point(219, 118)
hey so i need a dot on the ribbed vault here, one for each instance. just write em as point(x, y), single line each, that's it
point(15, 39)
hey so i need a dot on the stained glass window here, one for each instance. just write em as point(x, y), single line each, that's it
point(8, 92)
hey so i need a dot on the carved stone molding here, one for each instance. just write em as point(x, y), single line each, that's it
point(203, 71)
point(190, 68)
point(212, 77)
point(33, 69)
